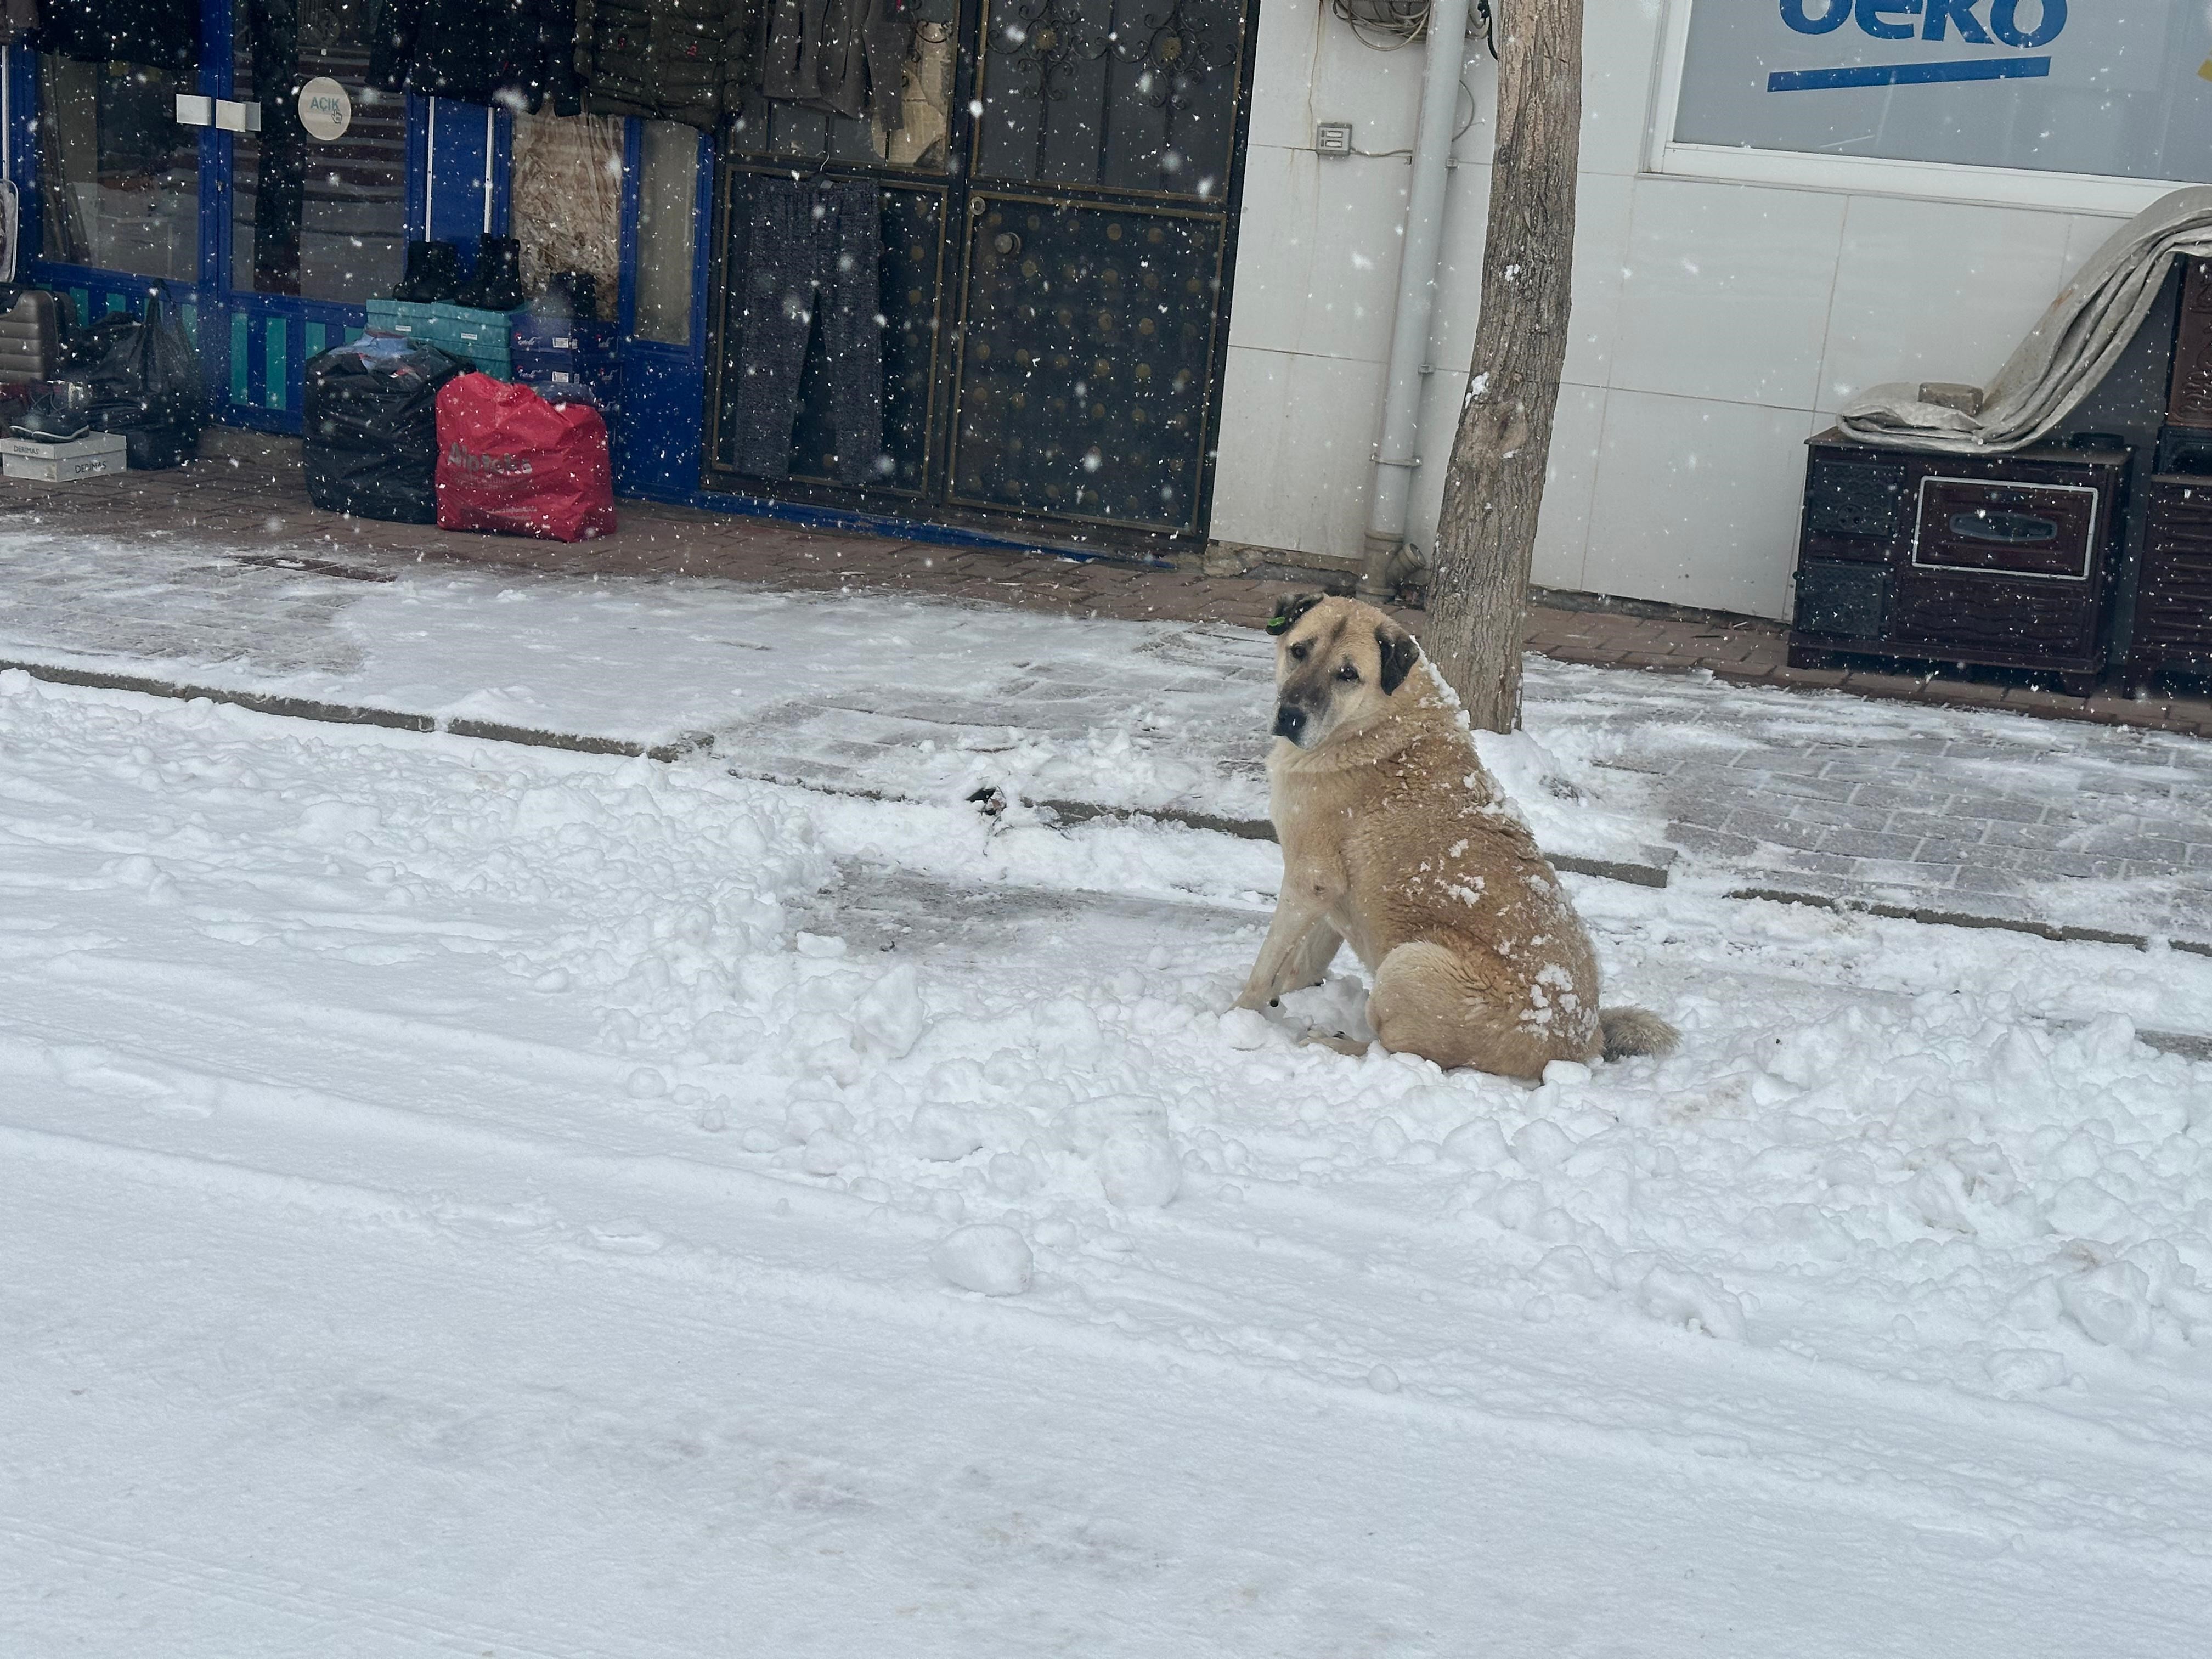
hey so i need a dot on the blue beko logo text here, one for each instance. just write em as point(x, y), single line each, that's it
point(2001, 24)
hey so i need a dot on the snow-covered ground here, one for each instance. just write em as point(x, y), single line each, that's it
point(1961, 813)
point(466, 1199)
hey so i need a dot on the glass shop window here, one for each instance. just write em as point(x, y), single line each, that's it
point(668, 198)
point(565, 205)
point(318, 196)
point(2116, 88)
point(121, 178)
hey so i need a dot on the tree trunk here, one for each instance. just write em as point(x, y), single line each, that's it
point(1479, 589)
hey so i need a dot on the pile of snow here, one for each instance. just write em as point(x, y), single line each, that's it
point(880, 1057)
point(874, 1060)
point(1908, 1148)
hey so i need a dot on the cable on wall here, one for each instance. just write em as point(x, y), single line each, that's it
point(1394, 24)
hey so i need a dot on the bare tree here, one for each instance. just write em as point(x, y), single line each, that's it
point(1494, 484)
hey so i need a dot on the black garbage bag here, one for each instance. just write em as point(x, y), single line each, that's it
point(370, 428)
point(145, 381)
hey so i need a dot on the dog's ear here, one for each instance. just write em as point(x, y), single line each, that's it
point(1290, 607)
point(1400, 651)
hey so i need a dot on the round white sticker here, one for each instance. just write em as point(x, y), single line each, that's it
point(325, 109)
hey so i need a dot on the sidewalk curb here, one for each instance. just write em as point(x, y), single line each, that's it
point(1846, 906)
point(1652, 874)
point(347, 714)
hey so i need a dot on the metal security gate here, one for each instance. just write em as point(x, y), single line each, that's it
point(1052, 278)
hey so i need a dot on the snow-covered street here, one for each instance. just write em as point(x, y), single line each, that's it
point(468, 1198)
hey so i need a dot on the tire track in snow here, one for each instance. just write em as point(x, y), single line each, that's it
point(1801, 1430)
point(344, 1616)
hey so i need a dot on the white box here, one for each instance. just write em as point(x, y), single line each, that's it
point(92, 456)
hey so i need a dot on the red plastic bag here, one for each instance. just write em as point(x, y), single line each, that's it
point(510, 462)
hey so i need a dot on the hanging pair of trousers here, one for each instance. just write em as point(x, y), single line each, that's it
point(280, 174)
point(813, 252)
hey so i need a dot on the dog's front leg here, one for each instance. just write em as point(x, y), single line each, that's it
point(1298, 912)
point(1309, 965)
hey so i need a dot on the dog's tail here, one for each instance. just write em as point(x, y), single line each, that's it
point(1636, 1031)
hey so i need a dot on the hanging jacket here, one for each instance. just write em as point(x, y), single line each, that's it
point(160, 35)
point(518, 54)
point(846, 57)
point(538, 66)
point(666, 60)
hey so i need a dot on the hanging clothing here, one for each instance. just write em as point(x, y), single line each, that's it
point(924, 102)
point(520, 53)
point(666, 60)
point(155, 32)
point(845, 56)
point(537, 61)
point(273, 38)
point(812, 255)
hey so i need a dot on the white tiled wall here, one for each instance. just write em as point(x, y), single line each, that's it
point(1716, 326)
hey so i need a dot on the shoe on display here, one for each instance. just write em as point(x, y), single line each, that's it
point(497, 284)
point(434, 273)
point(51, 420)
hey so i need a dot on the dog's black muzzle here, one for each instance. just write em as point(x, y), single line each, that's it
point(1291, 722)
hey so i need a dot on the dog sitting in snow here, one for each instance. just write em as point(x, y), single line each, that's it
point(1396, 842)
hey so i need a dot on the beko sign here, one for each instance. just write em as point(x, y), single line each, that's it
point(2122, 88)
point(1932, 21)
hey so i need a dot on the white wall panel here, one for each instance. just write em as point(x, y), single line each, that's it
point(1712, 321)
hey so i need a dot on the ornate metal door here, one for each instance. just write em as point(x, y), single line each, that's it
point(1053, 278)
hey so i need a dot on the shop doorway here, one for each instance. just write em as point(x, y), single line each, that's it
point(1049, 240)
point(173, 154)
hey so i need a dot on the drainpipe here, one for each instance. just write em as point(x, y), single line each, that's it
point(1398, 452)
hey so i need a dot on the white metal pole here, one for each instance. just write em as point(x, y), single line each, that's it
point(1398, 452)
point(490, 132)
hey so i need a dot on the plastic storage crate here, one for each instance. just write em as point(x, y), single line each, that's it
point(482, 336)
point(553, 352)
point(582, 335)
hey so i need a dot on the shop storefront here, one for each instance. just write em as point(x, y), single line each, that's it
point(1780, 204)
point(966, 266)
point(998, 298)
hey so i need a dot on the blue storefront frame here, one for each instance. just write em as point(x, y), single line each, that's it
point(252, 346)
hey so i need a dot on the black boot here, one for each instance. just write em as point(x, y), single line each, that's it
point(574, 293)
point(50, 419)
point(434, 273)
point(497, 285)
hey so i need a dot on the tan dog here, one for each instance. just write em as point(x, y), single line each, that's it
point(1396, 842)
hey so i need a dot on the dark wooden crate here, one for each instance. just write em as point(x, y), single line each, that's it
point(2173, 584)
point(2189, 394)
point(1999, 560)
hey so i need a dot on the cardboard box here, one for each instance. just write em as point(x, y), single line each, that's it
point(93, 456)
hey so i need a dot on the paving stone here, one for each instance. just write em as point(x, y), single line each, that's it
point(1867, 844)
point(1822, 864)
point(1779, 828)
point(1837, 813)
point(1917, 874)
point(1877, 792)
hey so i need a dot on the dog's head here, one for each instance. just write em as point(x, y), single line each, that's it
point(1338, 663)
